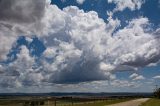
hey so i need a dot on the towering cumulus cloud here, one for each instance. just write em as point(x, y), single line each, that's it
point(80, 46)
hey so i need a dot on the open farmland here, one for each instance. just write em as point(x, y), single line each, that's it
point(61, 101)
point(152, 102)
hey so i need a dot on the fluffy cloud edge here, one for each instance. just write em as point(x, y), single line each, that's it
point(82, 47)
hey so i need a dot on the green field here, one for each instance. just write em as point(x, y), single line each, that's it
point(62, 103)
point(98, 103)
point(152, 102)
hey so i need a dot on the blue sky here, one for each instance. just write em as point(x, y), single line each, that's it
point(80, 46)
point(150, 9)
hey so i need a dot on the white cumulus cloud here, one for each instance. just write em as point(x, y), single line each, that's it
point(135, 76)
point(130, 4)
point(80, 1)
point(80, 46)
point(157, 77)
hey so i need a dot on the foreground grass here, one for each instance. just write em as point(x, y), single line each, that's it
point(68, 103)
point(152, 102)
point(96, 103)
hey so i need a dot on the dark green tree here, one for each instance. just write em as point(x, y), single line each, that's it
point(157, 93)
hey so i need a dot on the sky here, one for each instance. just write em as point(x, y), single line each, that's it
point(79, 46)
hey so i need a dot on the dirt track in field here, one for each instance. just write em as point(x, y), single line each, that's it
point(136, 102)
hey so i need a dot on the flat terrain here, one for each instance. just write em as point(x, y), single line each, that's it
point(152, 102)
point(101, 103)
point(37, 102)
point(136, 102)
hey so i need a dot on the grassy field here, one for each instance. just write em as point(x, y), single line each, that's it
point(103, 103)
point(152, 102)
point(96, 103)
point(66, 103)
